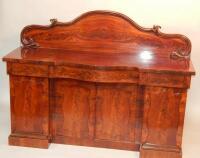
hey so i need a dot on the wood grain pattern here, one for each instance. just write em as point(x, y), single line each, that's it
point(165, 80)
point(28, 142)
point(103, 81)
point(115, 112)
point(107, 29)
point(28, 70)
point(164, 110)
point(96, 143)
point(30, 115)
point(73, 111)
point(159, 154)
point(94, 75)
point(156, 62)
point(89, 113)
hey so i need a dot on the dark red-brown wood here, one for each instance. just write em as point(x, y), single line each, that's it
point(100, 80)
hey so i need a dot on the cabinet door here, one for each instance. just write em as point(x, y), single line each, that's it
point(164, 111)
point(95, 114)
point(116, 112)
point(29, 105)
point(72, 108)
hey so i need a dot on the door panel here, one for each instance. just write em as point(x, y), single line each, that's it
point(73, 108)
point(95, 114)
point(116, 112)
point(164, 110)
point(29, 105)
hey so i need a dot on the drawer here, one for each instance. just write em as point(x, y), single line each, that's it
point(165, 79)
point(95, 75)
point(27, 69)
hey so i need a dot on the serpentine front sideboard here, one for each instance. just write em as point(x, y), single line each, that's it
point(100, 80)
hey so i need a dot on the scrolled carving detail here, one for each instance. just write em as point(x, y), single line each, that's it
point(156, 29)
point(179, 55)
point(29, 42)
point(53, 21)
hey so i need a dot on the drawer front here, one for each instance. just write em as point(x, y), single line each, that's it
point(118, 76)
point(165, 80)
point(27, 69)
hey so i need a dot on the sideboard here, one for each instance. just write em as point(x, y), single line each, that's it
point(100, 80)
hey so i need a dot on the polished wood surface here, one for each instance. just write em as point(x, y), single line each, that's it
point(101, 80)
point(101, 31)
point(145, 60)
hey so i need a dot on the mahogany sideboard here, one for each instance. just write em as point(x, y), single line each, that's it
point(100, 80)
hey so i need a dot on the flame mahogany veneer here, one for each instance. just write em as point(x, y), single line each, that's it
point(100, 80)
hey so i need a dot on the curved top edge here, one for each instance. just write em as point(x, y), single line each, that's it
point(155, 30)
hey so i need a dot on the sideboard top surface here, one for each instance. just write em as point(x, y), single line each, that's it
point(104, 39)
point(150, 62)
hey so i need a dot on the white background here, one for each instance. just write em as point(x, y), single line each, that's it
point(175, 16)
